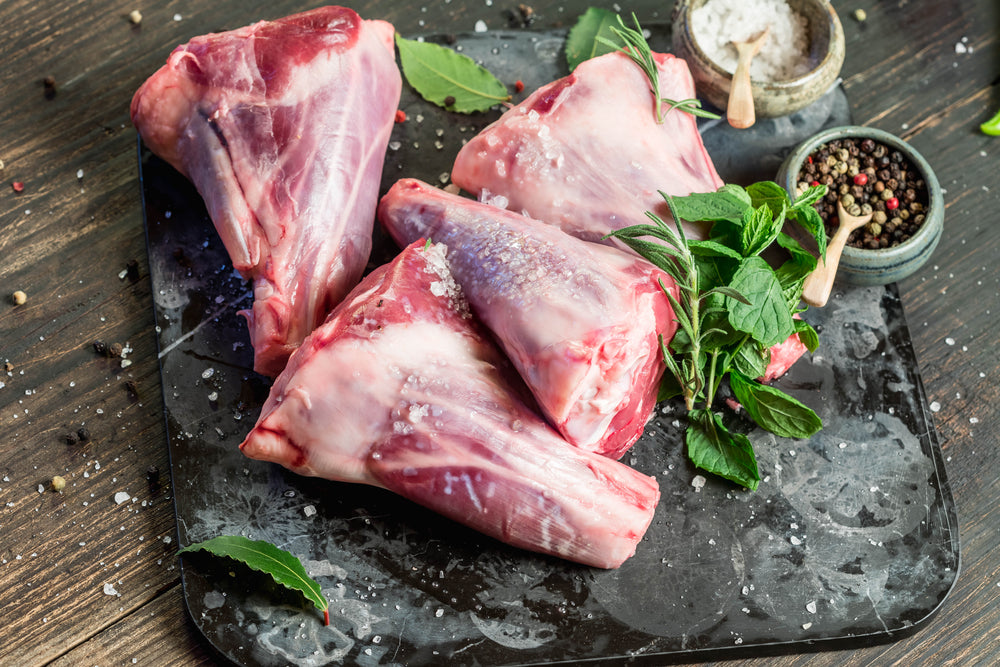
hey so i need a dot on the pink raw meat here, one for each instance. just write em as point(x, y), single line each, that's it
point(579, 320)
point(585, 152)
point(282, 126)
point(783, 356)
point(400, 389)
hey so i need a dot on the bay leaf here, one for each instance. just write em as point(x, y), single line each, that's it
point(282, 566)
point(447, 78)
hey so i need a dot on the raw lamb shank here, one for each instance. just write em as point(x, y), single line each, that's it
point(282, 126)
point(585, 152)
point(578, 320)
point(400, 389)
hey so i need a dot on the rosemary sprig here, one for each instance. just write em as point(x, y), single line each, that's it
point(691, 106)
point(637, 48)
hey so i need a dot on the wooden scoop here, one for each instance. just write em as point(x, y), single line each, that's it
point(740, 111)
point(819, 283)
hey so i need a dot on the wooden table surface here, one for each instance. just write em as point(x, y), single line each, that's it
point(87, 581)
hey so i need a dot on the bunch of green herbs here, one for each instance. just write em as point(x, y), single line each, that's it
point(732, 307)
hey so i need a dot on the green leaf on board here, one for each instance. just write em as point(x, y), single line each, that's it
point(449, 79)
point(582, 43)
point(284, 567)
point(773, 409)
point(712, 447)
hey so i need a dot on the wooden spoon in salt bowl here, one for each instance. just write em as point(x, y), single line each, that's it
point(819, 283)
point(740, 111)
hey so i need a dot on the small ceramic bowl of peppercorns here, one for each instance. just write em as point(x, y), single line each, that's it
point(870, 171)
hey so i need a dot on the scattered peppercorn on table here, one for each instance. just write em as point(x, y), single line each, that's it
point(88, 543)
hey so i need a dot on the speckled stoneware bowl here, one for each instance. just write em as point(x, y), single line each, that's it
point(771, 98)
point(885, 265)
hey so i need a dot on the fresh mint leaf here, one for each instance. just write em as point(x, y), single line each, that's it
point(751, 359)
point(793, 272)
point(727, 203)
point(716, 331)
point(737, 192)
point(713, 448)
point(262, 556)
point(811, 196)
point(449, 79)
point(770, 193)
point(807, 335)
point(809, 219)
point(760, 228)
point(715, 270)
point(766, 316)
point(799, 255)
point(710, 248)
point(773, 409)
point(582, 43)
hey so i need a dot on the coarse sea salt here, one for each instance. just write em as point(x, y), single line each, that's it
point(784, 54)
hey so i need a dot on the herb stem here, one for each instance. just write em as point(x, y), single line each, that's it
point(713, 384)
point(692, 387)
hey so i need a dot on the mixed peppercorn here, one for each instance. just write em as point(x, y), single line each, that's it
point(867, 176)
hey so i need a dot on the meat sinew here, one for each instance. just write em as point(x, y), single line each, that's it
point(579, 321)
point(282, 126)
point(586, 153)
point(400, 389)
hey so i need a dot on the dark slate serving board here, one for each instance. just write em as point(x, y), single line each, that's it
point(851, 538)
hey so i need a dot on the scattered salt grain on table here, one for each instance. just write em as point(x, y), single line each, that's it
point(784, 54)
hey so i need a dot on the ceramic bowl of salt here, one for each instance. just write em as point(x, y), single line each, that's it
point(798, 63)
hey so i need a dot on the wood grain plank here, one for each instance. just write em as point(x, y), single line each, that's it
point(144, 638)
